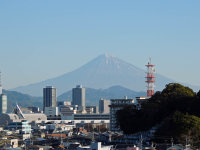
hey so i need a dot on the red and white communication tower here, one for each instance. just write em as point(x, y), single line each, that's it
point(150, 78)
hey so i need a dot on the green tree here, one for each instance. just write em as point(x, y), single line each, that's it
point(160, 109)
point(179, 126)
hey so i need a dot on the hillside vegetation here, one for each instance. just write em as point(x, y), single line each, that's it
point(175, 110)
point(24, 100)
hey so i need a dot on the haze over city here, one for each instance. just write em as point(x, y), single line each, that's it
point(99, 75)
point(46, 39)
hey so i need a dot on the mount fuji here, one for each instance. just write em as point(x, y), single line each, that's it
point(102, 72)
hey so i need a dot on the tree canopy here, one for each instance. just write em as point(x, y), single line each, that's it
point(176, 107)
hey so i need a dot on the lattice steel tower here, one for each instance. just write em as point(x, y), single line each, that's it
point(150, 78)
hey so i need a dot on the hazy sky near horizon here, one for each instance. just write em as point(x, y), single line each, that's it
point(44, 39)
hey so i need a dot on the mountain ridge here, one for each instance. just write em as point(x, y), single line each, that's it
point(92, 96)
point(103, 72)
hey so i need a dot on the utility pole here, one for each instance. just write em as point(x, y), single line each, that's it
point(172, 141)
point(61, 140)
point(186, 142)
point(141, 140)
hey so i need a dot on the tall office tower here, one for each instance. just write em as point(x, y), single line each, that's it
point(3, 104)
point(78, 96)
point(49, 97)
point(3, 100)
point(104, 106)
point(0, 84)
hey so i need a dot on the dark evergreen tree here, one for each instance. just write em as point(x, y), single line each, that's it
point(175, 110)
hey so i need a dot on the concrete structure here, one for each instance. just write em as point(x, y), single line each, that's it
point(91, 117)
point(35, 117)
point(78, 97)
point(139, 101)
point(67, 112)
point(3, 100)
point(58, 127)
point(13, 142)
point(34, 109)
point(7, 118)
point(51, 111)
point(89, 110)
point(96, 146)
point(63, 103)
point(25, 136)
point(3, 104)
point(23, 126)
point(104, 106)
point(117, 104)
point(92, 109)
point(70, 113)
point(49, 97)
point(0, 85)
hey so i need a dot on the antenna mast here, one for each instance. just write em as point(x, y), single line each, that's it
point(150, 78)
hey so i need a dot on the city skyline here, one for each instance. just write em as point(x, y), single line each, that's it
point(67, 35)
point(100, 74)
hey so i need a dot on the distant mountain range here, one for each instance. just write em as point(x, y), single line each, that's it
point(23, 100)
point(92, 96)
point(100, 73)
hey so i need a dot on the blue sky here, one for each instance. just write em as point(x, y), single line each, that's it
point(44, 39)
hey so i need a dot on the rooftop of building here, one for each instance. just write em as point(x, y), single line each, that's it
point(11, 117)
point(50, 87)
point(58, 135)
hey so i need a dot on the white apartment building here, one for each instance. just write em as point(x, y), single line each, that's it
point(104, 106)
point(67, 112)
point(51, 111)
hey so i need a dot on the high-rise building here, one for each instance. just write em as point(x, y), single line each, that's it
point(49, 97)
point(0, 85)
point(3, 104)
point(3, 100)
point(104, 106)
point(78, 96)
